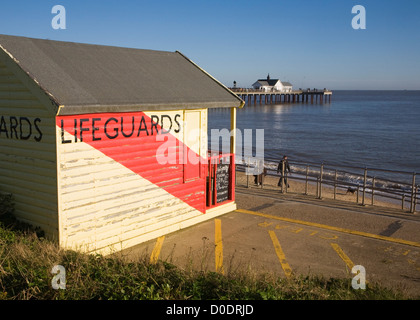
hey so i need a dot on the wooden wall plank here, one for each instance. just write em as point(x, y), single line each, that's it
point(27, 151)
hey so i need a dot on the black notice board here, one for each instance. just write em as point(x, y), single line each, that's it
point(222, 182)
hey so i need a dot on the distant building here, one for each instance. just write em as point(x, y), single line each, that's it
point(287, 86)
point(268, 85)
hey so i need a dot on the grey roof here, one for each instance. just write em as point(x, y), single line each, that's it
point(272, 82)
point(86, 78)
point(265, 82)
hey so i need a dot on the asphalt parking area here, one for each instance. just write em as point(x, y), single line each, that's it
point(271, 241)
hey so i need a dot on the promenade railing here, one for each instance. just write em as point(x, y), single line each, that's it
point(367, 183)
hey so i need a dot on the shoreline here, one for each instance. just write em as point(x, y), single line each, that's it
point(299, 187)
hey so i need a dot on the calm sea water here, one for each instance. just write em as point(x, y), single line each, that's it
point(374, 129)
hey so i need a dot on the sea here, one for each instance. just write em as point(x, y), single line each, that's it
point(377, 130)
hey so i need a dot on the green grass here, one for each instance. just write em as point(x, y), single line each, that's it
point(26, 260)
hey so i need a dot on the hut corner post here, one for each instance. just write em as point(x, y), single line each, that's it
point(232, 129)
point(232, 151)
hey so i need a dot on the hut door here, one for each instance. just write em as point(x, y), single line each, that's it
point(192, 139)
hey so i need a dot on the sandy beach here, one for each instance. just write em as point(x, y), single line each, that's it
point(300, 187)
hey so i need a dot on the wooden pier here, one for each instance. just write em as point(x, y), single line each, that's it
point(309, 96)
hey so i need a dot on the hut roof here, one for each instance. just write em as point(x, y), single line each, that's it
point(87, 78)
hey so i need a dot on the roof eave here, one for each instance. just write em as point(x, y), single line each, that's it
point(65, 110)
point(241, 102)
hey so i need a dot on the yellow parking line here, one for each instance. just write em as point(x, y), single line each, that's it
point(323, 226)
point(218, 251)
point(343, 256)
point(280, 254)
point(156, 250)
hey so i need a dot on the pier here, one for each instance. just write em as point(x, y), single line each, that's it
point(259, 96)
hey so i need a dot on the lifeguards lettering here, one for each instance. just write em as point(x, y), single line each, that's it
point(21, 125)
point(115, 129)
point(83, 129)
point(62, 133)
point(142, 127)
point(86, 128)
point(20, 128)
point(132, 127)
point(95, 129)
point(13, 126)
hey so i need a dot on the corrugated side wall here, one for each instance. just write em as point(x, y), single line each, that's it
point(27, 153)
point(114, 191)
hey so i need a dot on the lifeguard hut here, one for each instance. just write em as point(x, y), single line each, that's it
point(106, 147)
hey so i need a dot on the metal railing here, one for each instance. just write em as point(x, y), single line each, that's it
point(366, 183)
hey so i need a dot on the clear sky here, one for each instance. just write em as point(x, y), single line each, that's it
point(310, 43)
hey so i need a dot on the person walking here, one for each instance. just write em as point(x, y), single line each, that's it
point(284, 163)
point(259, 171)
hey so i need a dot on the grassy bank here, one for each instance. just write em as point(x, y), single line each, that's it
point(26, 260)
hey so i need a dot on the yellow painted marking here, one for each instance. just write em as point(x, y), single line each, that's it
point(388, 249)
point(323, 226)
point(264, 224)
point(218, 245)
point(278, 227)
point(280, 254)
point(297, 230)
point(156, 250)
point(342, 255)
point(331, 237)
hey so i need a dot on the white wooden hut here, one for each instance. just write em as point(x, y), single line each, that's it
point(96, 141)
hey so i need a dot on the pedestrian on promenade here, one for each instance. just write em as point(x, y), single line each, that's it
point(259, 171)
point(286, 171)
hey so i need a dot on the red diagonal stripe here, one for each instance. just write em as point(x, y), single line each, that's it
point(131, 139)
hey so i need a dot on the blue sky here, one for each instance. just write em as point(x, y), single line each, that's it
point(310, 43)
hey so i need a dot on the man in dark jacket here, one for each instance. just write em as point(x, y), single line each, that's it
point(286, 171)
